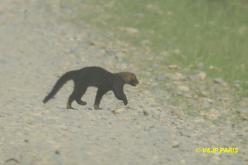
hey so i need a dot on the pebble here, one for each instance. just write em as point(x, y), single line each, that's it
point(129, 30)
point(178, 77)
point(207, 103)
point(211, 67)
point(173, 67)
point(201, 76)
point(13, 160)
point(145, 113)
point(183, 88)
point(57, 152)
point(243, 113)
point(202, 93)
point(118, 111)
point(175, 144)
point(212, 114)
point(219, 81)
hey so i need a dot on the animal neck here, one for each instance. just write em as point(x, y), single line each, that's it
point(120, 76)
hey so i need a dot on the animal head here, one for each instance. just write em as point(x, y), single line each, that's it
point(129, 78)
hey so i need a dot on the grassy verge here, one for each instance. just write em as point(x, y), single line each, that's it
point(212, 33)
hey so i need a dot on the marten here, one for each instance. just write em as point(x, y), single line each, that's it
point(94, 77)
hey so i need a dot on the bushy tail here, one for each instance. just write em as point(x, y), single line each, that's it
point(61, 81)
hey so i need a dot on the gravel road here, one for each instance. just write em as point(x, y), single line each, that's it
point(37, 46)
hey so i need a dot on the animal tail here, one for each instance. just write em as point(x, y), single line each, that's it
point(60, 82)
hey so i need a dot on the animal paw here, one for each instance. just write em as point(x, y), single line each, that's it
point(82, 102)
point(70, 107)
point(96, 107)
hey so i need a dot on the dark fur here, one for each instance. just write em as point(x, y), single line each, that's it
point(96, 77)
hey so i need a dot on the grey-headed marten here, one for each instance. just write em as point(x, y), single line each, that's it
point(97, 77)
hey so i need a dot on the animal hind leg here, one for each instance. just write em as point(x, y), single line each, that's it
point(70, 100)
point(79, 94)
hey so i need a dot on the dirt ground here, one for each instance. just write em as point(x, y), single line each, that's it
point(36, 47)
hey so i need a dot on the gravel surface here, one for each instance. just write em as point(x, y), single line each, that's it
point(169, 115)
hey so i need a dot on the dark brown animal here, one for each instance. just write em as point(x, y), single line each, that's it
point(97, 77)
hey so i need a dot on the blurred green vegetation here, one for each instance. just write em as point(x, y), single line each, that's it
point(213, 33)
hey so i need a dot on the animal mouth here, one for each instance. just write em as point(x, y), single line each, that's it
point(135, 83)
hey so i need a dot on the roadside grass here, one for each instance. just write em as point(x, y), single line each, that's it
point(212, 33)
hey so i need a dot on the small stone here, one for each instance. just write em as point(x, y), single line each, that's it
point(57, 152)
point(177, 51)
point(178, 77)
point(201, 76)
point(173, 67)
point(145, 113)
point(211, 67)
point(91, 43)
point(243, 113)
point(175, 144)
point(219, 81)
point(118, 111)
point(13, 160)
point(207, 103)
point(209, 100)
point(178, 114)
point(183, 88)
point(179, 93)
point(129, 30)
point(203, 93)
point(212, 114)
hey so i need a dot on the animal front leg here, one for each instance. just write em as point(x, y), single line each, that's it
point(121, 96)
point(98, 98)
point(119, 93)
